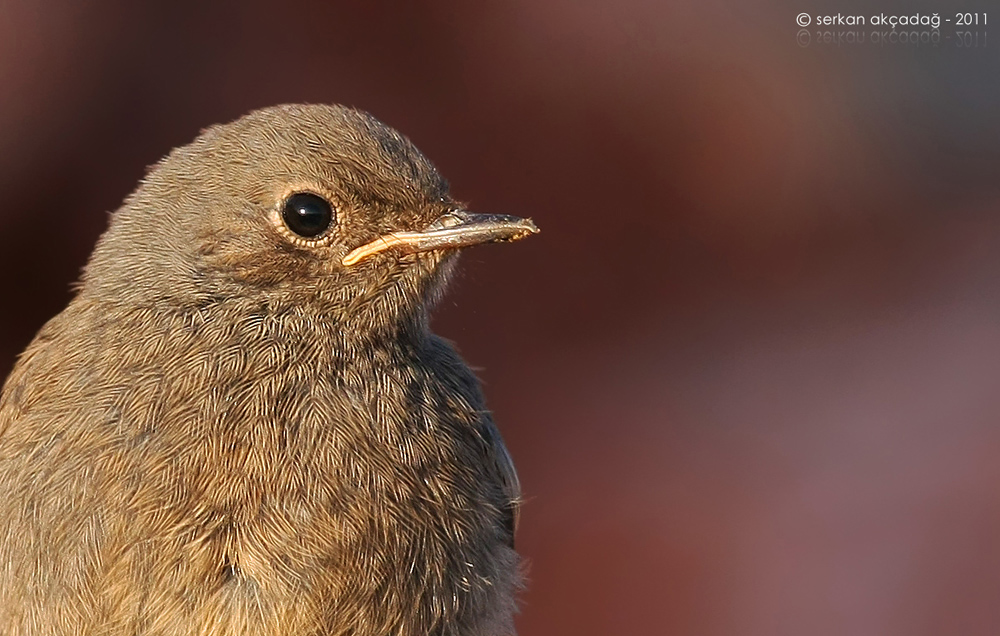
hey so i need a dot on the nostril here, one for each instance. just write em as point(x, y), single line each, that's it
point(450, 219)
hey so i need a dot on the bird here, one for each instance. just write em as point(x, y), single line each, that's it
point(242, 422)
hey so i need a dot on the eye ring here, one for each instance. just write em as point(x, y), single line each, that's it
point(307, 216)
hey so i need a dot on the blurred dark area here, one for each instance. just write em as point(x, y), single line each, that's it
point(749, 371)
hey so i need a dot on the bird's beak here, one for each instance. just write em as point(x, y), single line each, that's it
point(455, 229)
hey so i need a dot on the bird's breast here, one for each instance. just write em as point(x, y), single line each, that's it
point(278, 478)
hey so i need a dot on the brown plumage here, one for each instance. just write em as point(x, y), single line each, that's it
point(241, 424)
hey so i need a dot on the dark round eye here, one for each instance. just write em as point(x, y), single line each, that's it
point(307, 214)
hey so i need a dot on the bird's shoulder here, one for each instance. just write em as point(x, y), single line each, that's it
point(455, 372)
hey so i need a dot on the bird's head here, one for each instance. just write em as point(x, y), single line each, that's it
point(291, 208)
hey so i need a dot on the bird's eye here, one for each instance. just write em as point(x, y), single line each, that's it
point(307, 214)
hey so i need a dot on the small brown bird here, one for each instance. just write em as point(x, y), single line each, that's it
point(242, 424)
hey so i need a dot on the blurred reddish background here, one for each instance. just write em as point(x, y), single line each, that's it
point(750, 371)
